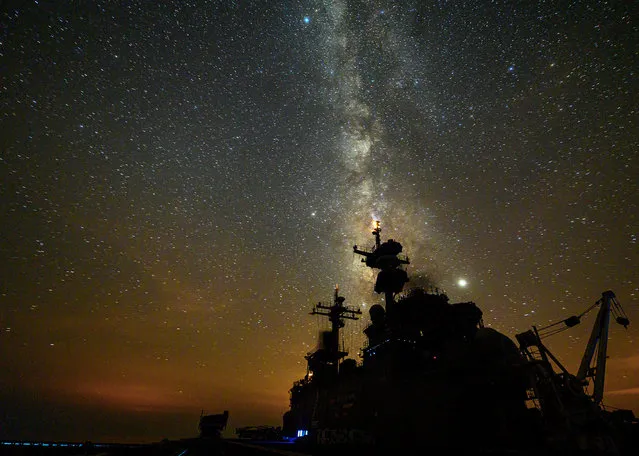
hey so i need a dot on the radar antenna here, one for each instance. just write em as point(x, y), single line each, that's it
point(337, 312)
point(330, 354)
point(386, 257)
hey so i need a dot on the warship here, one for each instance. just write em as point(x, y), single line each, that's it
point(433, 378)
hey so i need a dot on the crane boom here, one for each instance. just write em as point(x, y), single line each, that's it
point(598, 343)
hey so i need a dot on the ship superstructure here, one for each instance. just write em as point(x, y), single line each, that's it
point(433, 377)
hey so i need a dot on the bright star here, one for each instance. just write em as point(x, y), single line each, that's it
point(307, 19)
point(462, 283)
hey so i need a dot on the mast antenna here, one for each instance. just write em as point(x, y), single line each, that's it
point(386, 257)
point(331, 354)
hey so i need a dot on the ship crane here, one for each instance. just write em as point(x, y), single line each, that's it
point(596, 348)
point(598, 343)
point(562, 397)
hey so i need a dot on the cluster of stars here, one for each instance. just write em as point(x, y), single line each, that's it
point(181, 181)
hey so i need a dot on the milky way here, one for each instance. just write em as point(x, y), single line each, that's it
point(182, 181)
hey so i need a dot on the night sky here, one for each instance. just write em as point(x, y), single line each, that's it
point(181, 181)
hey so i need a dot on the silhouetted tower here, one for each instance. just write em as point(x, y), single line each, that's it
point(385, 257)
point(328, 355)
point(598, 344)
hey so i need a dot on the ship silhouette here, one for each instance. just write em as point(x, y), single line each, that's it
point(434, 378)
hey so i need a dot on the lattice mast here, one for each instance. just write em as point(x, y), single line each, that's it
point(336, 313)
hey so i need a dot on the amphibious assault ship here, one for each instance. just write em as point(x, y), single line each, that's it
point(433, 377)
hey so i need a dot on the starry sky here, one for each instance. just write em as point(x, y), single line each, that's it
point(181, 181)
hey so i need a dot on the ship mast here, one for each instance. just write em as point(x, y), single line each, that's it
point(385, 256)
point(376, 232)
point(336, 315)
point(330, 354)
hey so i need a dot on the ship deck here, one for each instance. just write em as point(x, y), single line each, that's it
point(237, 447)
